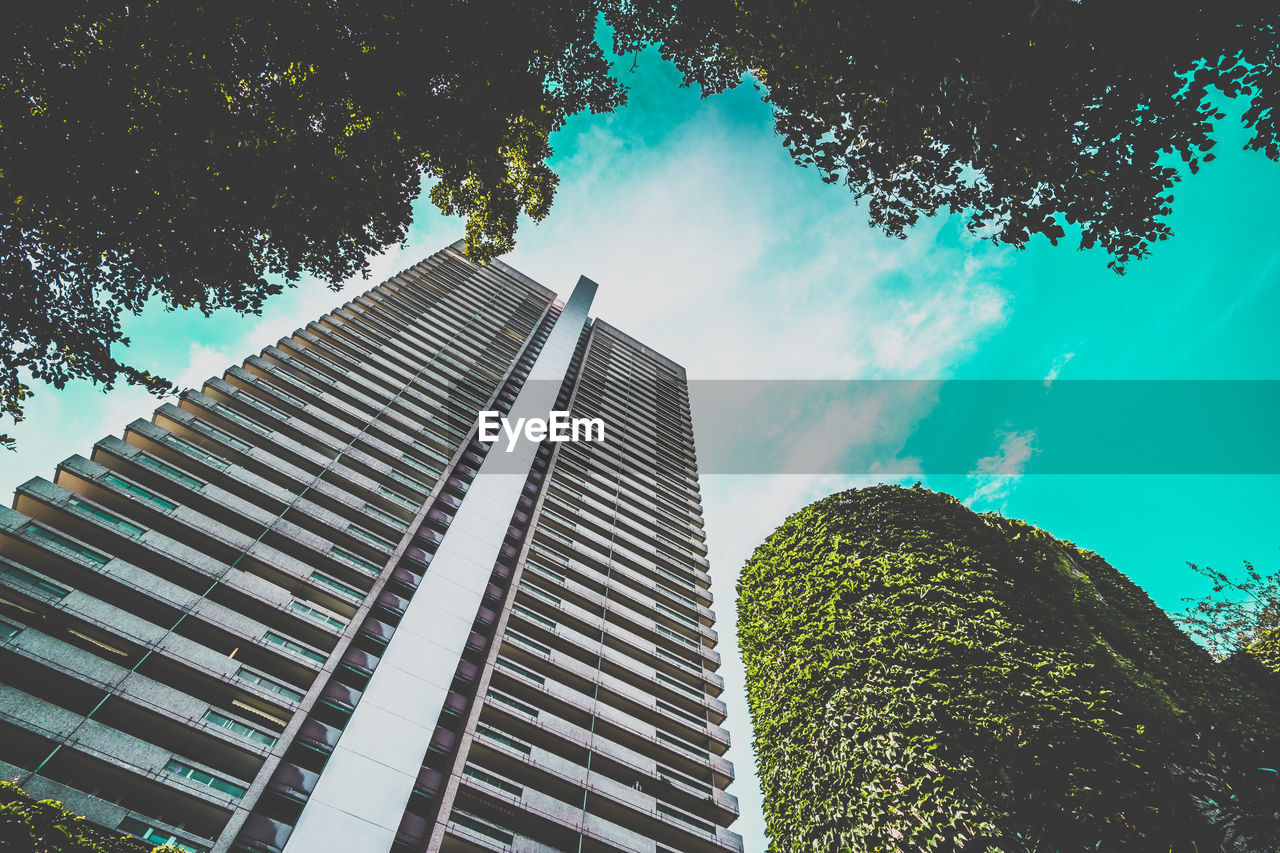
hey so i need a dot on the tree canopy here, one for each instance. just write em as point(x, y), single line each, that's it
point(195, 152)
point(921, 677)
point(202, 153)
point(1025, 115)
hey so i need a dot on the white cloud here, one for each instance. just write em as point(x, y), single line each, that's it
point(995, 476)
point(1056, 369)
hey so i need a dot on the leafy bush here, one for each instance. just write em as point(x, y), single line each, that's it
point(921, 677)
point(44, 826)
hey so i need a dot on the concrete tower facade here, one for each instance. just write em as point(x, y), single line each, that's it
point(306, 608)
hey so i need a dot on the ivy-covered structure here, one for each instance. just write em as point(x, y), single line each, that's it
point(44, 826)
point(922, 677)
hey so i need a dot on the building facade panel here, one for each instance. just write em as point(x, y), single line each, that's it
point(305, 607)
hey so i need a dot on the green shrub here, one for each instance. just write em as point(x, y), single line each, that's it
point(44, 826)
point(921, 677)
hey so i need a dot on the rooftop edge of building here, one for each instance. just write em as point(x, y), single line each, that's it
point(614, 331)
point(459, 246)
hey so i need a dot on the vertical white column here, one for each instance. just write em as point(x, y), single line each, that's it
point(361, 795)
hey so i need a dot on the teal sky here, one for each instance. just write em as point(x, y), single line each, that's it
point(713, 247)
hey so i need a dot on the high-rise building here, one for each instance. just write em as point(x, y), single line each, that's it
point(306, 608)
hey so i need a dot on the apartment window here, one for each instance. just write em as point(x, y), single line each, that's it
point(543, 570)
point(567, 522)
point(213, 718)
point(186, 771)
point(431, 452)
point(678, 743)
point(679, 685)
point(317, 615)
point(499, 737)
point(140, 492)
point(533, 644)
point(406, 479)
point(494, 781)
point(263, 405)
point(285, 394)
point(289, 645)
point(674, 577)
point(158, 837)
point(243, 420)
point(676, 659)
point(512, 703)
point(559, 537)
point(355, 561)
point(202, 455)
point(545, 551)
point(668, 708)
point(482, 826)
point(520, 670)
point(684, 818)
point(8, 630)
point(221, 435)
point(679, 617)
point(536, 617)
point(365, 534)
point(540, 592)
point(65, 544)
point(683, 599)
point(269, 685)
point(169, 471)
point(349, 591)
point(675, 776)
point(116, 521)
point(28, 579)
point(679, 638)
point(386, 516)
point(429, 470)
point(396, 496)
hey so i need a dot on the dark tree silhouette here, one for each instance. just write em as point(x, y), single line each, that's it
point(197, 153)
point(193, 153)
point(1026, 115)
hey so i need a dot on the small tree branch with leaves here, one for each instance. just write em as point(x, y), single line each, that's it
point(1241, 614)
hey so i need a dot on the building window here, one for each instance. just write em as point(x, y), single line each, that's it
point(520, 670)
point(317, 615)
point(359, 563)
point(140, 492)
point(536, 617)
point(24, 577)
point(499, 737)
point(197, 452)
point(158, 837)
point(512, 703)
point(684, 818)
point(533, 644)
point(540, 592)
point(65, 544)
point(337, 585)
point(482, 826)
point(386, 516)
point(269, 685)
point(90, 509)
point(290, 645)
point(213, 718)
point(194, 774)
point(169, 471)
point(365, 534)
point(494, 781)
